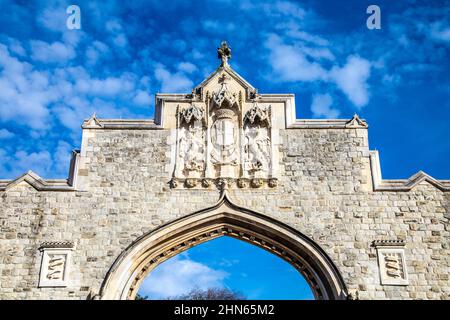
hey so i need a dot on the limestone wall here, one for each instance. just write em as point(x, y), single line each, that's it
point(325, 191)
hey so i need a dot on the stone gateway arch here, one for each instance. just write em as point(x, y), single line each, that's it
point(224, 160)
point(224, 218)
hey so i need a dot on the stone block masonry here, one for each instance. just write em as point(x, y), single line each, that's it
point(388, 239)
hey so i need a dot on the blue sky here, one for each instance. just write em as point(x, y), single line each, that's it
point(226, 262)
point(397, 78)
point(52, 78)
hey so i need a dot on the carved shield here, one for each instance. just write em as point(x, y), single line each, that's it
point(224, 134)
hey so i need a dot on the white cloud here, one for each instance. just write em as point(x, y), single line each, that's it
point(352, 79)
point(118, 37)
point(16, 47)
point(56, 52)
point(62, 157)
point(178, 276)
point(321, 106)
point(40, 162)
point(172, 83)
point(142, 98)
point(53, 18)
point(218, 26)
point(440, 32)
point(186, 67)
point(290, 64)
point(279, 8)
point(96, 51)
point(108, 87)
point(6, 134)
point(22, 92)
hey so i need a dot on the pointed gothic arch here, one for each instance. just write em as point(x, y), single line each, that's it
point(224, 218)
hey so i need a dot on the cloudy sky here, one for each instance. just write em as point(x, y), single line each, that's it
point(52, 78)
point(227, 263)
point(397, 78)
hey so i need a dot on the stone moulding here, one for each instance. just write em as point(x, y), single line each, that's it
point(378, 183)
point(122, 124)
point(388, 243)
point(223, 219)
point(223, 183)
point(57, 244)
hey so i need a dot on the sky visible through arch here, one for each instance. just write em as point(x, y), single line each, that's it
point(52, 78)
point(226, 262)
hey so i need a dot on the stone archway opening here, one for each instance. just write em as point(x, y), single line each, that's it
point(225, 268)
point(224, 219)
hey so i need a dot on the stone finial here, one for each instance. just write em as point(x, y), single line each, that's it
point(224, 53)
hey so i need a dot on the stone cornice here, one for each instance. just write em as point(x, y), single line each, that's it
point(57, 245)
point(354, 123)
point(121, 124)
point(388, 243)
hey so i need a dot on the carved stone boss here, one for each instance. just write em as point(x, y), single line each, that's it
point(391, 261)
point(55, 264)
point(217, 141)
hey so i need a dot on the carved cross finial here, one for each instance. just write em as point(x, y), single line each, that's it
point(224, 53)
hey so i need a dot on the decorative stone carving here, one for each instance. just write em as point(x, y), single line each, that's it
point(206, 183)
point(173, 183)
point(55, 263)
point(241, 183)
point(193, 113)
point(224, 53)
point(257, 183)
point(356, 122)
point(273, 183)
point(391, 261)
point(258, 146)
point(257, 113)
point(224, 98)
point(223, 183)
point(216, 139)
point(191, 142)
point(190, 183)
point(257, 150)
point(224, 140)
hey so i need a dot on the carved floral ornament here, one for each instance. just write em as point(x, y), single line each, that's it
point(257, 113)
point(192, 113)
point(223, 183)
point(224, 97)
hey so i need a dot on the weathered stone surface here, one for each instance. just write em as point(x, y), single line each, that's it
point(324, 189)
